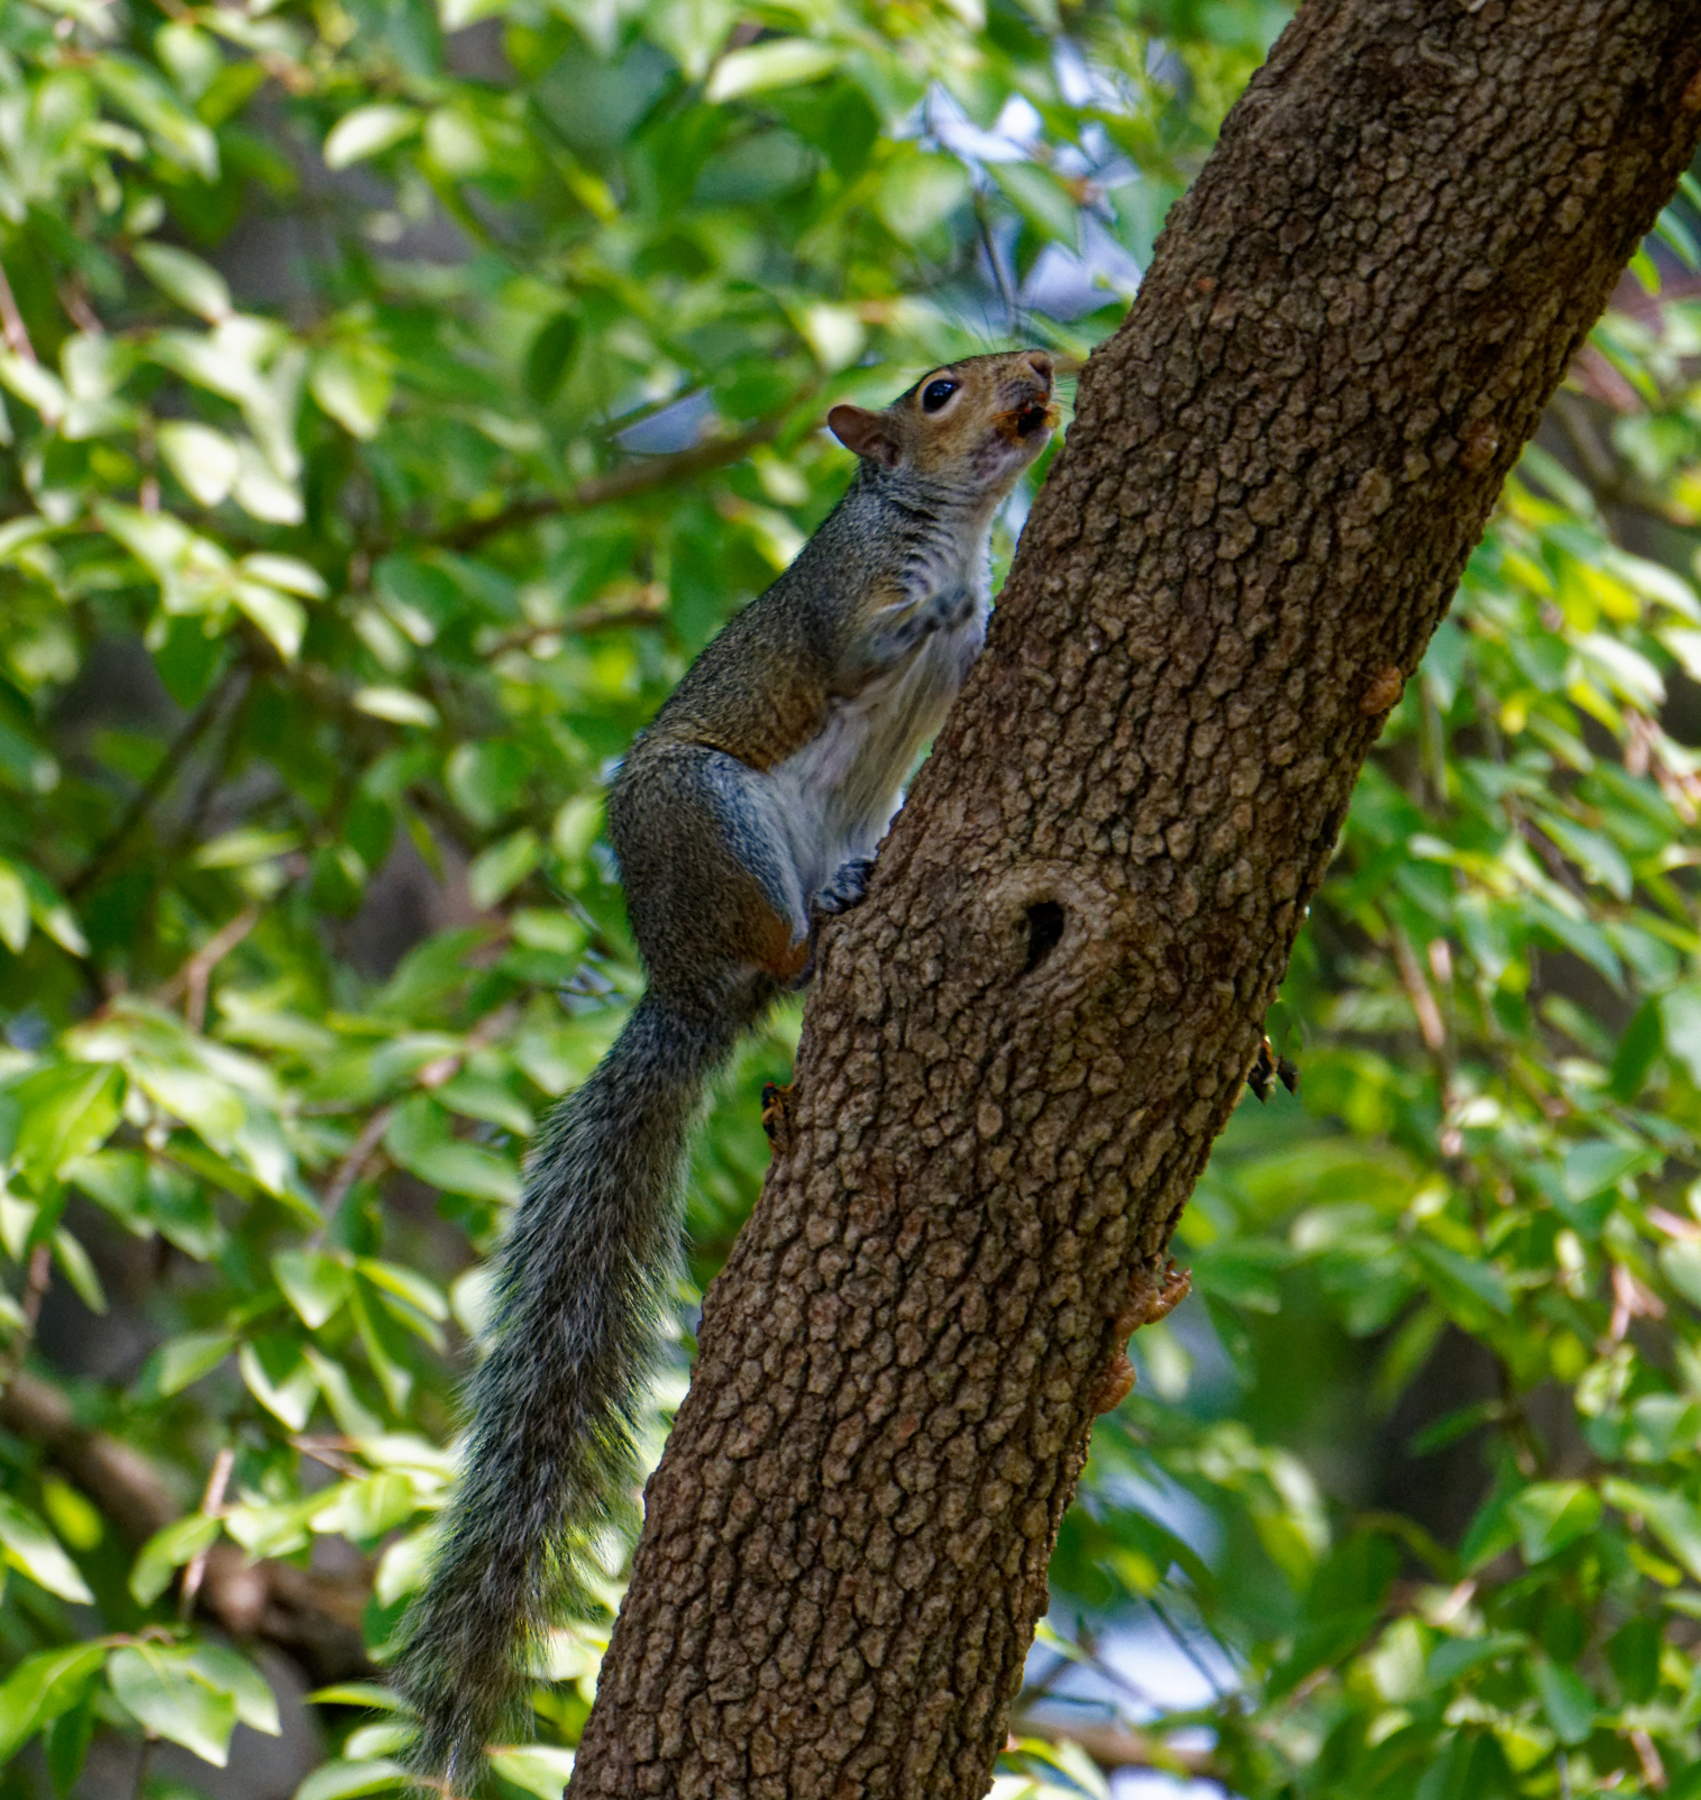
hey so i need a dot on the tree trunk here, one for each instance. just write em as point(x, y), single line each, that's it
point(1021, 1047)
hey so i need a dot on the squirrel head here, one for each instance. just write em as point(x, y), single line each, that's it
point(971, 426)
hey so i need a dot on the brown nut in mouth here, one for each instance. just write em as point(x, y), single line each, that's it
point(1023, 421)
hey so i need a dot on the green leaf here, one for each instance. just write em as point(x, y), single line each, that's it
point(419, 1140)
point(166, 1552)
point(1453, 1657)
point(761, 68)
point(14, 909)
point(279, 1377)
point(135, 89)
point(1680, 1020)
point(497, 871)
point(1042, 200)
point(368, 131)
point(1464, 1275)
point(37, 386)
point(415, 1289)
point(1593, 1167)
point(1634, 1652)
point(27, 1544)
point(549, 356)
point(228, 1673)
point(476, 1097)
point(66, 1112)
point(485, 780)
point(918, 192)
point(77, 1267)
point(42, 1687)
point(1680, 1262)
point(353, 383)
point(1638, 1048)
point(357, 1693)
point(1675, 1521)
point(343, 1780)
point(205, 461)
point(185, 279)
point(538, 1769)
point(1567, 1701)
point(1551, 1514)
point(181, 1361)
point(282, 619)
point(286, 572)
point(365, 1510)
point(161, 1689)
point(397, 705)
point(315, 1284)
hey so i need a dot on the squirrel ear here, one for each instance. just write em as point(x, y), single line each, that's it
point(864, 432)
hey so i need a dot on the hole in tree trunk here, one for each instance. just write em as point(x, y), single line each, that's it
point(1045, 929)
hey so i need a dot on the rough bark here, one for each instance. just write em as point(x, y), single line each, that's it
point(1020, 1049)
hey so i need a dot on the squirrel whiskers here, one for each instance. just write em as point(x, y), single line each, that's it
point(746, 812)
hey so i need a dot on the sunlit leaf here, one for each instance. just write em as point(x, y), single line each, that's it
point(161, 1689)
point(368, 131)
point(27, 1544)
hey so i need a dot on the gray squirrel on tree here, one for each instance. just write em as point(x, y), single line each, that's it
point(748, 811)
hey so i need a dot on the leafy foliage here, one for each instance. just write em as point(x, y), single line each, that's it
point(395, 400)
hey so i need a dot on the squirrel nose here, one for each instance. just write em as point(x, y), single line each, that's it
point(1041, 364)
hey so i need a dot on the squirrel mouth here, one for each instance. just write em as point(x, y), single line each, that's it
point(1023, 421)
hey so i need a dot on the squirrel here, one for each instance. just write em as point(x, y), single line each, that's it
point(748, 811)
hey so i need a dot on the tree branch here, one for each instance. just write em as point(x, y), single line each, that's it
point(624, 483)
point(194, 728)
point(315, 1617)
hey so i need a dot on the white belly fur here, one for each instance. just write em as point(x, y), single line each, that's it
point(839, 792)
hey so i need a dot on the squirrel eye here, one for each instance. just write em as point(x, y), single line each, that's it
point(935, 394)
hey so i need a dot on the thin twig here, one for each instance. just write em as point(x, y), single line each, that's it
point(1430, 1026)
point(35, 1291)
point(217, 764)
point(1179, 1638)
point(73, 296)
point(1012, 306)
point(12, 326)
point(211, 1503)
point(646, 606)
point(348, 1171)
point(333, 1452)
point(623, 483)
point(191, 980)
point(194, 728)
point(433, 1075)
point(1115, 1747)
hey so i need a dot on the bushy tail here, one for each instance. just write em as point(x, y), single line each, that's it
point(588, 1263)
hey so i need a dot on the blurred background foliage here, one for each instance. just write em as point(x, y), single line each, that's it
point(395, 399)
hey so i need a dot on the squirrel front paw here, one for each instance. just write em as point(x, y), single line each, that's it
point(847, 888)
